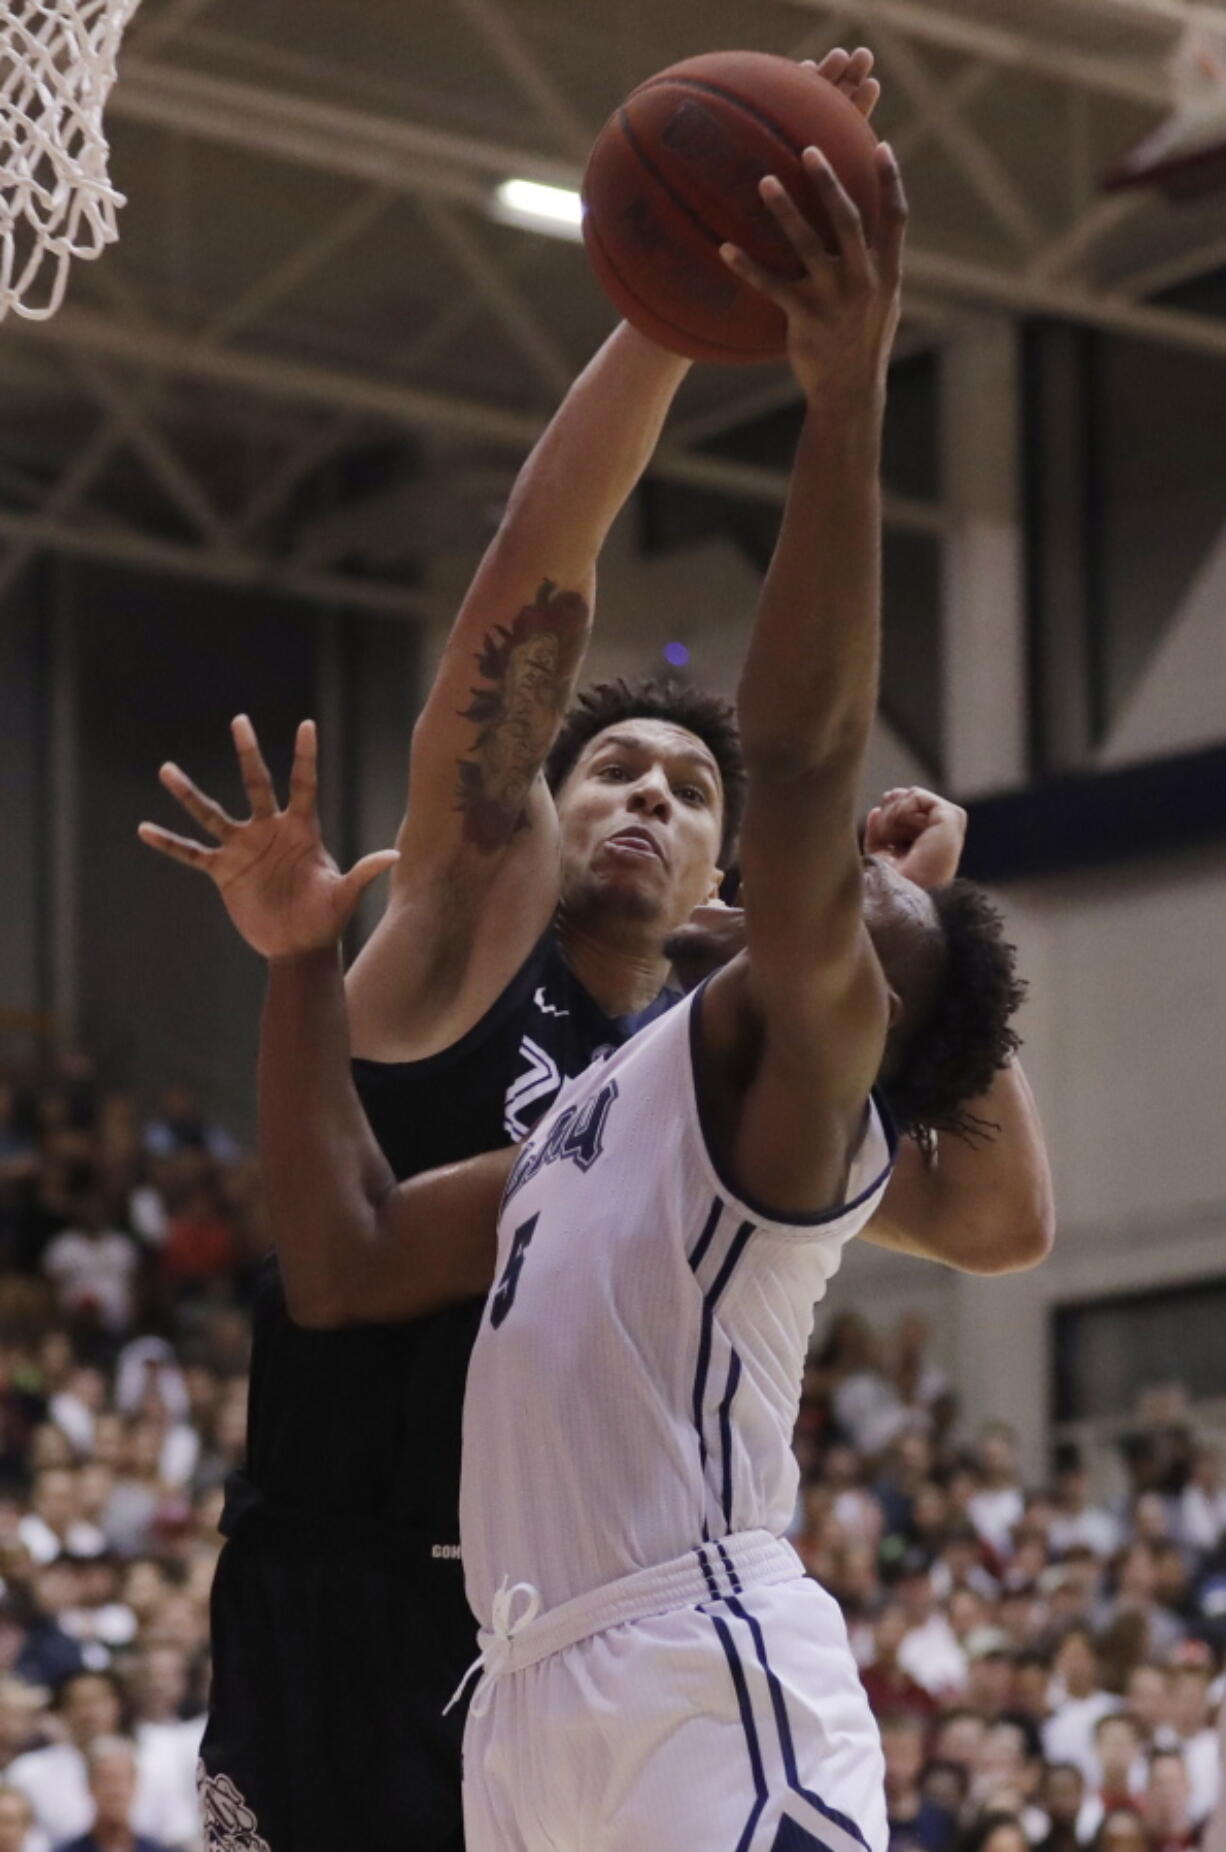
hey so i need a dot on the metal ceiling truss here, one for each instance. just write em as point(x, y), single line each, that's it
point(428, 163)
point(128, 362)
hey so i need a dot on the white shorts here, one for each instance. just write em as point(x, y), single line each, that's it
point(735, 1725)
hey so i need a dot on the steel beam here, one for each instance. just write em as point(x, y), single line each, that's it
point(294, 269)
point(1184, 267)
point(384, 149)
point(1022, 295)
point(1178, 13)
point(518, 320)
point(416, 160)
point(979, 164)
point(527, 73)
point(126, 547)
point(410, 407)
point(128, 415)
point(1012, 49)
point(1073, 245)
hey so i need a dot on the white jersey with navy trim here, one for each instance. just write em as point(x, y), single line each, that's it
point(636, 1379)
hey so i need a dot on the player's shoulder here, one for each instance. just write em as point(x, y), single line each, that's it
point(724, 1044)
point(514, 1003)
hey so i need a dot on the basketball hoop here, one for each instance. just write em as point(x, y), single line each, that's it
point(57, 65)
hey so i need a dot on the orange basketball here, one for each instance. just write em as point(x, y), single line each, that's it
point(674, 174)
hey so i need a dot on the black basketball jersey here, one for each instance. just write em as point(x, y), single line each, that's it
point(363, 1425)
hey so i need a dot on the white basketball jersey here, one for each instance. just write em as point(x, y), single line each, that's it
point(636, 1379)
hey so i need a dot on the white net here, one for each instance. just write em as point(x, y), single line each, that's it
point(57, 65)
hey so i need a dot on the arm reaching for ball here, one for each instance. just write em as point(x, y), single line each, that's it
point(477, 881)
point(796, 1031)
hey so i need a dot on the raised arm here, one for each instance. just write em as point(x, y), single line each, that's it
point(806, 702)
point(353, 1246)
point(477, 880)
point(985, 1205)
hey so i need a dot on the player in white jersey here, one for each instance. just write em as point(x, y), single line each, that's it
point(656, 1671)
point(627, 1464)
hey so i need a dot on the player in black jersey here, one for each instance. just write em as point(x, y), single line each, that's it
point(521, 934)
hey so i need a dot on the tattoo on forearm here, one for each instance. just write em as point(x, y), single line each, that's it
point(527, 670)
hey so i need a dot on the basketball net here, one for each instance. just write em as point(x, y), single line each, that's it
point(57, 65)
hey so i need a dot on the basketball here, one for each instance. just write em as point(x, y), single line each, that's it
point(674, 174)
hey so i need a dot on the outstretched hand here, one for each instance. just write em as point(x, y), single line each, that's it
point(280, 886)
point(852, 73)
point(920, 833)
point(842, 311)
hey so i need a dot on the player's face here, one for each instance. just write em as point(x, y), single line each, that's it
point(641, 816)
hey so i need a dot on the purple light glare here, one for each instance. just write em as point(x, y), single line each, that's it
point(676, 654)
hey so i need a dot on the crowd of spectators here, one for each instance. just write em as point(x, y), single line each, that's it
point(127, 1243)
point(1045, 1667)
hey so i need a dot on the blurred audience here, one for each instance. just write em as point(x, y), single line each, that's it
point(113, 1782)
point(1045, 1659)
point(126, 1253)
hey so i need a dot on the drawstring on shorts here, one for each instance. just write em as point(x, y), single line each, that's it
point(495, 1655)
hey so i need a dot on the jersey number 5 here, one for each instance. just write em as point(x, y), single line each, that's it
point(504, 1297)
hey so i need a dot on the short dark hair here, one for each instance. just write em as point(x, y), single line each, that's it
point(708, 716)
point(965, 1037)
point(978, 1835)
point(108, 1676)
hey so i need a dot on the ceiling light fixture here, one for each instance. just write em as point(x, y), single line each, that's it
point(554, 210)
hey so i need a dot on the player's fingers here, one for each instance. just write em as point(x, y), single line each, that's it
point(803, 237)
point(206, 811)
point(257, 779)
point(907, 812)
point(866, 96)
point(841, 210)
point(833, 65)
point(859, 66)
point(742, 266)
point(892, 224)
point(304, 779)
point(178, 848)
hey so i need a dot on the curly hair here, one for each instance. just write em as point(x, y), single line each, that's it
point(708, 716)
point(965, 1036)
